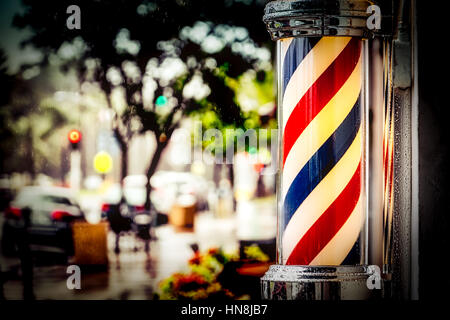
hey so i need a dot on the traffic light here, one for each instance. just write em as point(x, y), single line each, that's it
point(161, 101)
point(74, 138)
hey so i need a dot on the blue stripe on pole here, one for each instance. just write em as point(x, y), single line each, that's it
point(322, 162)
point(297, 51)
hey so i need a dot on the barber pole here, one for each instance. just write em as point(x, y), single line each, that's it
point(333, 74)
point(322, 177)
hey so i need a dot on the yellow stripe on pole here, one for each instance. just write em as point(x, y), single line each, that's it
point(312, 66)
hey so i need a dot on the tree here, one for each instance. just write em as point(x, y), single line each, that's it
point(30, 123)
point(6, 136)
point(115, 46)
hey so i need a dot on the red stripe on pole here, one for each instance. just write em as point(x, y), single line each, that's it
point(329, 223)
point(320, 93)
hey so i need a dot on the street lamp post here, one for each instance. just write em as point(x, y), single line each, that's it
point(75, 159)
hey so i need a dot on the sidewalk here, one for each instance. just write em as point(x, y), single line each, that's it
point(131, 274)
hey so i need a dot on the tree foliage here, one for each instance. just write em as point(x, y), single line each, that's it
point(126, 49)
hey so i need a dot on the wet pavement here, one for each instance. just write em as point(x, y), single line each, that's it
point(131, 274)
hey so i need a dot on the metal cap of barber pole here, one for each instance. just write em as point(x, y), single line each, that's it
point(286, 282)
point(313, 18)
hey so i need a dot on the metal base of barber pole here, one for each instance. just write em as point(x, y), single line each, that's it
point(288, 282)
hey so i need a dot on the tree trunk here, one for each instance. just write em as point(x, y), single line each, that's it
point(30, 153)
point(230, 168)
point(217, 173)
point(123, 162)
point(231, 173)
point(152, 168)
point(260, 188)
point(123, 145)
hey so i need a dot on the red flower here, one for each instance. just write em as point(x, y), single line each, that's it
point(196, 259)
point(213, 251)
point(189, 282)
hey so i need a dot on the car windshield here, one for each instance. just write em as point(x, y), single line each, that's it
point(32, 196)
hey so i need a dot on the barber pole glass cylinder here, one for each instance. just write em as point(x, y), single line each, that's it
point(324, 241)
point(321, 191)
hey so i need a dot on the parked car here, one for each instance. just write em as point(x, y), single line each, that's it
point(168, 185)
point(6, 193)
point(134, 198)
point(46, 214)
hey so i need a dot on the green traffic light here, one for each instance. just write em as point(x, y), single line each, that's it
point(161, 101)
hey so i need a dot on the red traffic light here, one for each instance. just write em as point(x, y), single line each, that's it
point(74, 136)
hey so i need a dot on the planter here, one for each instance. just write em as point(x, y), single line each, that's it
point(90, 243)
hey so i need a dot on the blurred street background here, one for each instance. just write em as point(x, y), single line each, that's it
point(138, 142)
